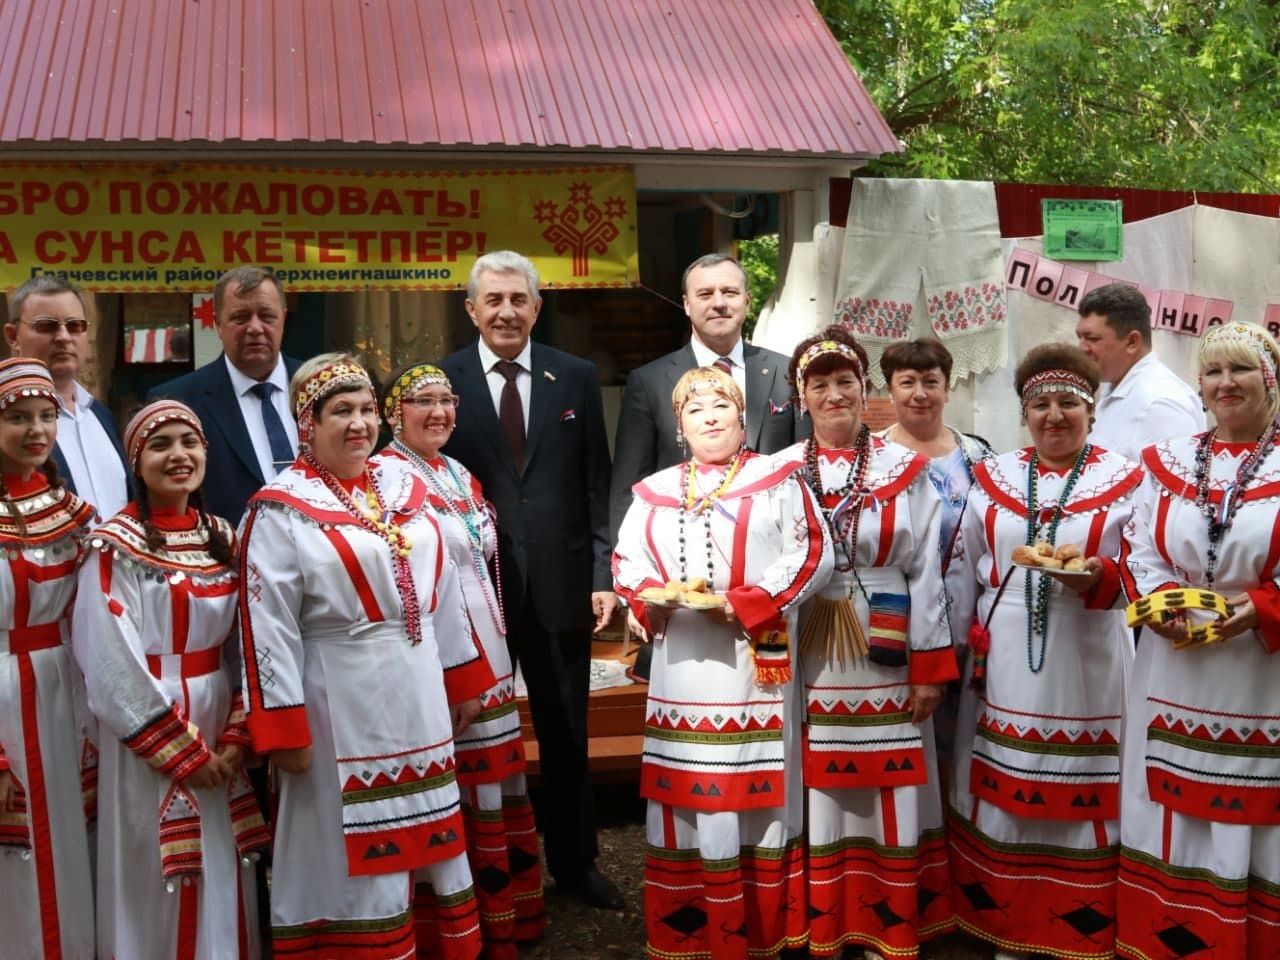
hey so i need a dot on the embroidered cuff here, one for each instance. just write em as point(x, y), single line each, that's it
point(281, 728)
point(755, 609)
point(466, 681)
point(170, 744)
point(1266, 601)
point(933, 666)
point(236, 732)
point(1104, 594)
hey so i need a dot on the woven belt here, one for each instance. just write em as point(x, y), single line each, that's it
point(39, 636)
point(187, 665)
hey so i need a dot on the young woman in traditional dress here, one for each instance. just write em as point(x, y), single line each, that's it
point(1034, 836)
point(874, 656)
point(724, 876)
point(355, 643)
point(46, 889)
point(154, 633)
point(1200, 816)
point(502, 841)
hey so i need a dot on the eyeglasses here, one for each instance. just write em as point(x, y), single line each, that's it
point(50, 325)
point(429, 403)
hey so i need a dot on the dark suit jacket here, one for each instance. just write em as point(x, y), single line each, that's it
point(645, 441)
point(232, 475)
point(553, 522)
point(109, 425)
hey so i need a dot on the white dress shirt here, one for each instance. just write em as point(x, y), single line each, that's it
point(524, 380)
point(1150, 403)
point(251, 413)
point(707, 357)
point(91, 457)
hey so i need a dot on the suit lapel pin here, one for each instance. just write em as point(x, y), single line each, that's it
point(764, 370)
point(549, 375)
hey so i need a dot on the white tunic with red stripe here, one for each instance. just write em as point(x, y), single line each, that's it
point(1201, 808)
point(1037, 776)
point(154, 633)
point(490, 749)
point(46, 892)
point(713, 736)
point(874, 803)
point(721, 769)
point(328, 664)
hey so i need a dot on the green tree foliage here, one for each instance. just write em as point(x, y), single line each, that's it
point(759, 258)
point(1183, 94)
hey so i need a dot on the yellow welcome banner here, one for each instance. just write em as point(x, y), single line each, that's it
point(135, 228)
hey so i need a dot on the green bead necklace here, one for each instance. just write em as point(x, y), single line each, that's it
point(1037, 597)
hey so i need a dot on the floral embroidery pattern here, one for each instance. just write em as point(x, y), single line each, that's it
point(968, 308)
point(885, 319)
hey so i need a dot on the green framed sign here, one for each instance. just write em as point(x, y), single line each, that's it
point(1082, 229)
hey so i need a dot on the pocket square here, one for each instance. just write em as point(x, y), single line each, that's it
point(779, 408)
point(567, 416)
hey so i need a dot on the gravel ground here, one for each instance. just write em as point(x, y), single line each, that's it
point(576, 932)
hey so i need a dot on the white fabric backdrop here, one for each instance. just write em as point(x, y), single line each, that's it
point(1202, 250)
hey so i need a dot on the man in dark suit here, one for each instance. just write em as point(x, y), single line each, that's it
point(715, 300)
point(242, 398)
point(531, 429)
point(48, 321)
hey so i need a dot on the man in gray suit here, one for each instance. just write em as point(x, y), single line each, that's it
point(715, 300)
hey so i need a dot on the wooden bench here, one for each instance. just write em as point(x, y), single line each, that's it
point(615, 725)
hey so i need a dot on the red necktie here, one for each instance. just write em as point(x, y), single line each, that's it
point(725, 364)
point(511, 411)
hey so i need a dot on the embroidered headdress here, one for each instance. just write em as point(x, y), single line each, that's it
point(1254, 339)
point(150, 418)
point(822, 348)
point(341, 373)
point(22, 377)
point(701, 379)
point(407, 384)
point(1055, 381)
point(828, 348)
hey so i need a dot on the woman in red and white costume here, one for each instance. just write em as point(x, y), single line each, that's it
point(46, 888)
point(724, 877)
point(1034, 829)
point(1200, 823)
point(355, 643)
point(154, 633)
point(502, 839)
point(875, 657)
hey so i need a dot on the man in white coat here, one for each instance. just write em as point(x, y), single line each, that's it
point(1141, 401)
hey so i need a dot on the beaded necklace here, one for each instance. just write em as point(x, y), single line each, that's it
point(371, 519)
point(845, 516)
point(691, 502)
point(469, 519)
point(1037, 597)
point(1220, 517)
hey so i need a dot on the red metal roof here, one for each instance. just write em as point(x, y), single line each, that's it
point(734, 76)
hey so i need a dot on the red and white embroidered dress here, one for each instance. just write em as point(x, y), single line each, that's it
point(1200, 817)
point(328, 664)
point(154, 633)
point(502, 838)
point(877, 858)
point(1034, 832)
point(46, 889)
point(724, 877)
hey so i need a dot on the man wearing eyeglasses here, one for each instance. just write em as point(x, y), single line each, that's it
point(48, 321)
